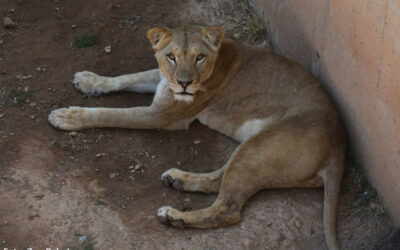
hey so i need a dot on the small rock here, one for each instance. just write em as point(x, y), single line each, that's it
point(113, 6)
point(197, 142)
point(131, 167)
point(137, 167)
point(132, 178)
point(82, 239)
point(1, 115)
point(74, 133)
point(5, 222)
point(32, 117)
point(11, 10)
point(73, 26)
point(99, 155)
point(153, 157)
point(372, 205)
point(108, 49)
point(22, 77)
point(187, 204)
point(4, 242)
point(33, 214)
point(112, 175)
point(179, 163)
point(8, 23)
point(38, 196)
point(1, 42)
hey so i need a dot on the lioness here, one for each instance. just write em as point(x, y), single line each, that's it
point(288, 127)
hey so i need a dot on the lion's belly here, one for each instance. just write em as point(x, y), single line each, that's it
point(238, 127)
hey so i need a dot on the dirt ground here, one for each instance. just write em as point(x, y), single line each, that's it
point(78, 191)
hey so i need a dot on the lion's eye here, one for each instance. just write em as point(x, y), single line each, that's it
point(200, 57)
point(171, 57)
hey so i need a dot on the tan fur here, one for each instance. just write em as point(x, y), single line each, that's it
point(289, 129)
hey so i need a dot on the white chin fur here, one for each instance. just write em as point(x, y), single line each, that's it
point(183, 98)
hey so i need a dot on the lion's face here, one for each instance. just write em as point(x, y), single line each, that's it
point(186, 56)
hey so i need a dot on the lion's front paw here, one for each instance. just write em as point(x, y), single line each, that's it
point(169, 178)
point(67, 118)
point(165, 214)
point(90, 83)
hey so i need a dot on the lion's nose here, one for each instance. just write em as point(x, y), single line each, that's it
point(184, 84)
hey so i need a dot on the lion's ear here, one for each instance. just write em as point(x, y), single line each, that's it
point(157, 36)
point(213, 35)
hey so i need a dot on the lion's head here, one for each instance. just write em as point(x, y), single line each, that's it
point(186, 56)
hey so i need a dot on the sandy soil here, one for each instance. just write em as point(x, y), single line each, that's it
point(77, 190)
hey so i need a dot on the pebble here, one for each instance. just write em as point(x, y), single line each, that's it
point(4, 242)
point(108, 49)
point(8, 23)
point(33, 214)
point(1, 115)
point(1, 42)
point(186, 203)
point(112, 175)
point(100, 155)
point(21, 77)
point(74, 133)
point(38, 196)
point(73, 26)
point(197, 142)
point(131, 167)
point(153, 157)
point(32, 117)
point(137, 167)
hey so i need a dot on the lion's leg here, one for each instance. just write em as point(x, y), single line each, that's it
point(75, 118)
point(223, 212)
point(276, 158)
point(93, 84)
point(195, 182)
point(236, 187)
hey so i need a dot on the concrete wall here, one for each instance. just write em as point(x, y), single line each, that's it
point(353, 47)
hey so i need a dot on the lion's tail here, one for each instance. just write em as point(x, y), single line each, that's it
point(332, 176)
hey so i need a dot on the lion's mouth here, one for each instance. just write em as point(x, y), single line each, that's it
point(184, 93)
